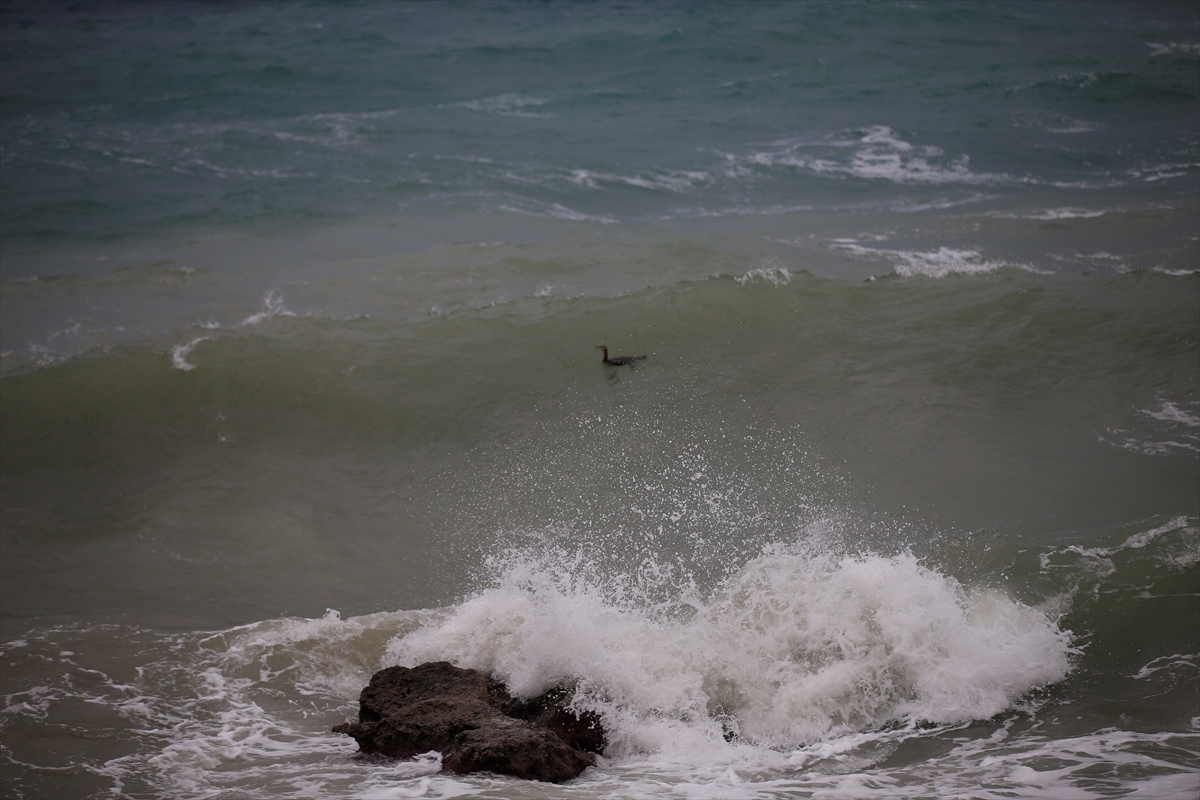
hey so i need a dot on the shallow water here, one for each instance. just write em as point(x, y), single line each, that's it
point(298, 312)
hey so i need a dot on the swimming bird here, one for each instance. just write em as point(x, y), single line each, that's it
point(619, 361)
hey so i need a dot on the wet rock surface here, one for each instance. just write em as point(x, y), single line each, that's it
point(475, 724)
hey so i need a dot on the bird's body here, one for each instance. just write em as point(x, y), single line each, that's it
point(619, 361)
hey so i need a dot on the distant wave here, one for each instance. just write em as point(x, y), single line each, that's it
point(1185, 48)
point(874, 153)
point(507, 105)
point(931, 263)
point(1050, 214)
point(795, 647)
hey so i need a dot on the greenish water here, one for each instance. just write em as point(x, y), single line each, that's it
point(298, 319)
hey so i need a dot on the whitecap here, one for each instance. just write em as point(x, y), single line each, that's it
point(558, 211)
point(180, 352)
point(1186, 48)
point(1171, 412)
point(678, 182)
point(272, 307)
point(1050, 214)
point(874, 153)
point(1190, 662)
point(507, 105)
point(1151, 448)
point(777, 275)
point(937, 263)
point(794, 650)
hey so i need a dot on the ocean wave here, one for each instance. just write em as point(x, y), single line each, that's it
point(677, 181)
point(1188, 663)
point(939, 203)
point(874, 153)
point(507, 105)
point(1175, 433)
point(1172, 412)
point(272, 307)
point(556, 211)
point(795, 648)
point(1050, 214)
point(1150, 448)
point(1162, 172)
point(1074, 127)
point(1087, 572)
point(1053, 122)
point(804, 672)
point(1184, 48)
point(773, 273)
point(180, 352)
point(734, 211)
point(930, 263)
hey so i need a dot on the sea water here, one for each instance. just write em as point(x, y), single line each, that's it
point(298, 321)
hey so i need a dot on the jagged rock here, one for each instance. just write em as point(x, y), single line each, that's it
point(552, 710)
point(474, 723)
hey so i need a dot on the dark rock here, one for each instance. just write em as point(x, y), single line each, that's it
point(474, 723)
point(552, 710)
point(515, 747)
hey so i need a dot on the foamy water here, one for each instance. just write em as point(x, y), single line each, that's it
point(803, 673)
point(797, 648)
point(299, 309)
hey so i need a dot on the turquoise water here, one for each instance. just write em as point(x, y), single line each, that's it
point(299, 305)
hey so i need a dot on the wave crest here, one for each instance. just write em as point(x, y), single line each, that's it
point(794, 648)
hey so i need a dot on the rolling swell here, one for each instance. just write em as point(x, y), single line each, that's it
point(759, 391)
point(702, 681)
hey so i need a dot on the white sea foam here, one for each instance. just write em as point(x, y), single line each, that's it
point(1186, 48)
point(1160, 172)
point(43, 356)
point(930, 263)
point(1171, 412)
point(1097, 260)
point(180, 352)
point(1175, 434)
point(800, 654)
point(272, 306)
point(1175, 545)
point(73, 330)
point(936, 204)
point(558, 211)
point(1050, 214)
point(1054, 123)
point(672, 181)
point(507, 105)
point(1151, 448)
point(795, 649)
point(1077, 127)
point(1188, 663)
point(1140, 540)
point(874, 153)
point(773, 273)
point(1088, 767)
point(737, 211)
